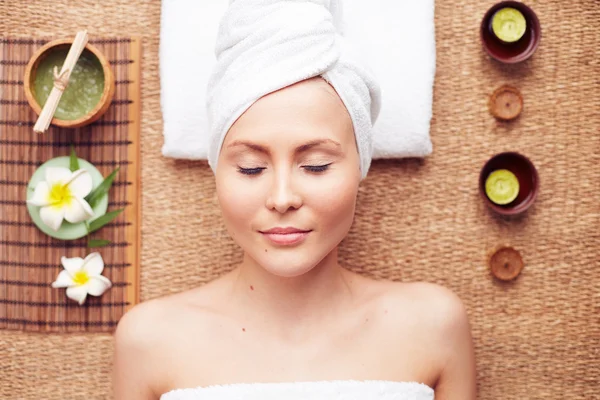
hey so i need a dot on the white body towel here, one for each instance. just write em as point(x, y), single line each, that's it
point(396, 37)
point(319, 390)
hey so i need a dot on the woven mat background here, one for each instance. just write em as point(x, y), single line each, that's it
point(29, 259)
point(536, 338)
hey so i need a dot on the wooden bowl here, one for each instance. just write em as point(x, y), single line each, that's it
point(518, 51)
point(105, 99)
point(526, 174)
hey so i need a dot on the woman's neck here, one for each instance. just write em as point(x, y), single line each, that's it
point(294, 303)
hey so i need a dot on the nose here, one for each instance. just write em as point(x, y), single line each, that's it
point(283, 194)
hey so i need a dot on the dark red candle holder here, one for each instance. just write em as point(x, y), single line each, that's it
point(518, 51)
point(526, 174)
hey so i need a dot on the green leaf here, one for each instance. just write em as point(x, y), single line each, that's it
point(87, 227)
point(74, 163)
point(102, 189)
point(103, 220)
point(98, 242)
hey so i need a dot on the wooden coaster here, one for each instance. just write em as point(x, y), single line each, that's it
point(506, 103)
point(506, 263)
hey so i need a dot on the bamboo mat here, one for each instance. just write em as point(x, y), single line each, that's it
point(535, 338)
point(29, 259)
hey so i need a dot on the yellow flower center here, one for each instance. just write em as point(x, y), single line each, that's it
point(60, 195)
point(81, 277)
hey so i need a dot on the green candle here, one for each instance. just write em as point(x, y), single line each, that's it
point(502, 186)
point(85, 87)
point(509, 24)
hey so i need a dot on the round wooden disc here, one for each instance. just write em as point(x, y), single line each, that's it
point(506, 263)
point(506, 103)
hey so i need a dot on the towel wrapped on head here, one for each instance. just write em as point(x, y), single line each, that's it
point(265, 45)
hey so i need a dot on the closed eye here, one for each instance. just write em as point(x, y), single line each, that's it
point(250, 171)
point(317, 168)
point(258, 170)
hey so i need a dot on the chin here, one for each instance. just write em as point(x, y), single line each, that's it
point(288, 264)
point(286, 269)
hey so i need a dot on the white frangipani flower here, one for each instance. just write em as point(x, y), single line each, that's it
point(61, 196)
point(82, 277)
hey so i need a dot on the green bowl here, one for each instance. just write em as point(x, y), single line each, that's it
point(67, 230)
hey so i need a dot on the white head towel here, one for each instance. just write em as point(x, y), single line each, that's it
point(265, 45)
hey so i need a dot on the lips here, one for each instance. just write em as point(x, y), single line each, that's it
point(286, 236)
point(286, 230)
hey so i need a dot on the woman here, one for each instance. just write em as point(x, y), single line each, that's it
point(290, 312)
point(290, 322)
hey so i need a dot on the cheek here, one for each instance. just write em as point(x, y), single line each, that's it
point(335, 202)
point(238, 201)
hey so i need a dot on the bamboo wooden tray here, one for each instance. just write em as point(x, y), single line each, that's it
point(29, 259)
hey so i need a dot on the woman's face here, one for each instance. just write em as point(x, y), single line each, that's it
point(290, 161)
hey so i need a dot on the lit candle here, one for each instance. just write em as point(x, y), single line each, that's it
point(502, 186)
point(508, 24)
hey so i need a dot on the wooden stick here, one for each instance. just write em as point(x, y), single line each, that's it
point(61, 80)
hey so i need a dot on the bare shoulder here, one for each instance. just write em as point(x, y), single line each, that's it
point(435, 305)
point(137, 348)
point(148, 322)
point(144, 325)
point(446, 315)
point(151, 333)
point(427, 323)
point(440, 320)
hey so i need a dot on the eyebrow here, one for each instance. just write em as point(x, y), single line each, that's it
point(300, 149)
